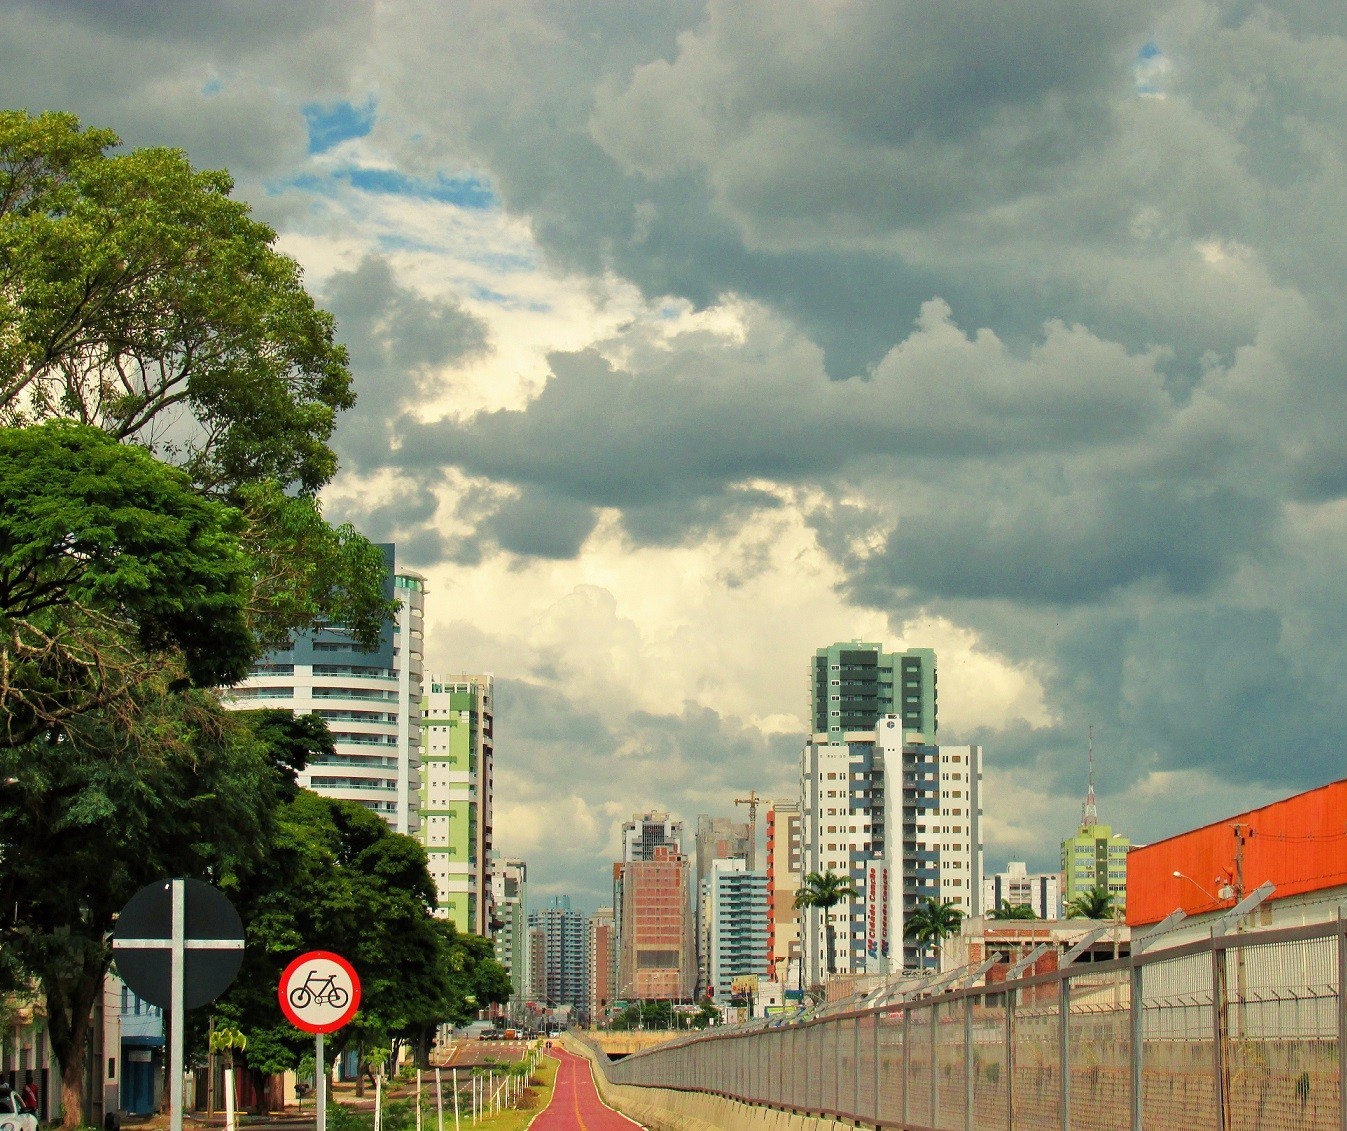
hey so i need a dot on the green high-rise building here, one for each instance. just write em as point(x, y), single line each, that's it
point(457, 755)
point(854, 684)
point(1096, 857)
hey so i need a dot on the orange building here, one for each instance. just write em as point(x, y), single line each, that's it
point(657, 958)
point(1300, 844)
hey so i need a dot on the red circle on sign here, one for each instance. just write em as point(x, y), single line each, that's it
point(319, 992)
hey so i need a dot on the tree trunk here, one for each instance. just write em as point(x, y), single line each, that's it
point(70, 1004)
point(828, 933)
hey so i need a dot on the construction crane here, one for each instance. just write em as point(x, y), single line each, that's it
point(752, 801)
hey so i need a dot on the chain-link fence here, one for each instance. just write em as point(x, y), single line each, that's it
point(1236, 1033)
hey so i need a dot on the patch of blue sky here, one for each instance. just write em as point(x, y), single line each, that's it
point(465, 192)
point(331, 124)
point(211, 87)
point(1150, 71)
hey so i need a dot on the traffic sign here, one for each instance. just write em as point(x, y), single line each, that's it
point(319, 992)
point(211, 939)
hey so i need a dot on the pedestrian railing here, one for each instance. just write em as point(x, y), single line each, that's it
point(1238, 1033)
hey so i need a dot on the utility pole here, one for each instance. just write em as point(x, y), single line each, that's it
point(751, 801)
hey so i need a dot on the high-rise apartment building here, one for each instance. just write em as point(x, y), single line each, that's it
point(904, 821)
point(853, 685)
point(602, 963)
point(656, 955)
point(563, 980)
point(458, 752)
point(370, 700)
point(736, 917)
point(509, 887)
point(1041, 892)
point(647, 831)
point(785, 875)
point(718, 838)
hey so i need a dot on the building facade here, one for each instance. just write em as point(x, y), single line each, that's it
point(718, 838)
point(904, 822)
point(647, 831)
point(656, 950)
point(509, 886)
point(458, 754)
point(563, 981)
point(736, 914)
point(1041, 892)
point(602, 963)
point(853, 685)
point(370, 700)
point(785, 875)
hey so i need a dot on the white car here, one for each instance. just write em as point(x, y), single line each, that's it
point(14, 1116)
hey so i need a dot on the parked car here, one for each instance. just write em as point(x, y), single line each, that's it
point(13, 1115)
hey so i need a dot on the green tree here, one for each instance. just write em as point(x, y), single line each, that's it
point(932, 923)
point(333, 876)
point(112, 569)
point(1096, 903)
point(1007, 910)
point(137, 296)
point(825, 890)
point(87, 818)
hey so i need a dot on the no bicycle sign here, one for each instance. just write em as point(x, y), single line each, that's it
point(319, 992)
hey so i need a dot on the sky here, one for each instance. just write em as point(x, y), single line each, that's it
point(692, 336)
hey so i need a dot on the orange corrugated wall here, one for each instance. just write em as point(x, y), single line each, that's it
point(1300, 844)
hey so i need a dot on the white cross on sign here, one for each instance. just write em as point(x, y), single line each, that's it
point(178, 944)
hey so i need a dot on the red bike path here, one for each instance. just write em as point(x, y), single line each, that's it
point(575, 1102)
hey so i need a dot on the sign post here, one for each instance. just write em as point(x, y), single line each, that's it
point(178, 944)
point(319, 992)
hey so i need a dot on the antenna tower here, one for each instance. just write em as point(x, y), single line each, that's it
point(1089, 814)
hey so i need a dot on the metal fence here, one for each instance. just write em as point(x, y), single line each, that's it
point(1236, 1033)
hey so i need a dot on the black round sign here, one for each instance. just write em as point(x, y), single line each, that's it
point(212, 943)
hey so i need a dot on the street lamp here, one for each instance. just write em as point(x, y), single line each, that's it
point(1225, 891)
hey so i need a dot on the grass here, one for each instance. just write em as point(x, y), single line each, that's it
point(535, 1098)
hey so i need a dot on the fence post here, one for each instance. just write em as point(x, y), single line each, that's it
point(1138, 1036)
point(931, 1024)
point(1220, 1003)
point(907, 1062)
point(879, 1066)
point(856, 1069)
point(1342, 1019)
point(968, 1063)
point(1064, 1051)
point(1010, 1057)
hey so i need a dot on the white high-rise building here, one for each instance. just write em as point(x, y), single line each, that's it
point(904, 823)
point(371, 702)
point(735, 902)
point(1041, 892)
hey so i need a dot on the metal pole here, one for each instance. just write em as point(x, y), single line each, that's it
point(176, 999)
point(934, 1016)
point(439, 1101)
point(455, 1072)
point(968, 1063)
point(1064, 1052)
point(1221, 1024)
point(1010, 1059)
point(320, 1082)
point(907, 1064)
point(418, 1100)
point(1342, 1020)
point(1138, 1037)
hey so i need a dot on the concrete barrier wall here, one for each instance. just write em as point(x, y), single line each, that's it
point(664, 1109)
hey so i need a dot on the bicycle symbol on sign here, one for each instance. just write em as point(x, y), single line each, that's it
point(319, 991)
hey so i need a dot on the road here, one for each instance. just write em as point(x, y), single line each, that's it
point(575, 1102)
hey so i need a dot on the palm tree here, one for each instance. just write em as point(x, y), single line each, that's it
point(1006, 910)
point(1096, 903)
point(932, 923)
point(825, 890)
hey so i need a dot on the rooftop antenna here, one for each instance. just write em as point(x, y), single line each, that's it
point(1089, 811)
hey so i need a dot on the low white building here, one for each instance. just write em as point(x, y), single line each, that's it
point(1041, 892)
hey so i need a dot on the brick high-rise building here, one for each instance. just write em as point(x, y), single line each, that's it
point(657, 956)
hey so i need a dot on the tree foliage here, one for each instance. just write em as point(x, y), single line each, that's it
point(932, 923)
point(136, 296)
point(111, 569)
point(335, 877)
point(1096, 903)
point(1007, 910)
point(825, 890)
point(87, 818)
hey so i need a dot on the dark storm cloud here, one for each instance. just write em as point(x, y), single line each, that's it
point(397, 338)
